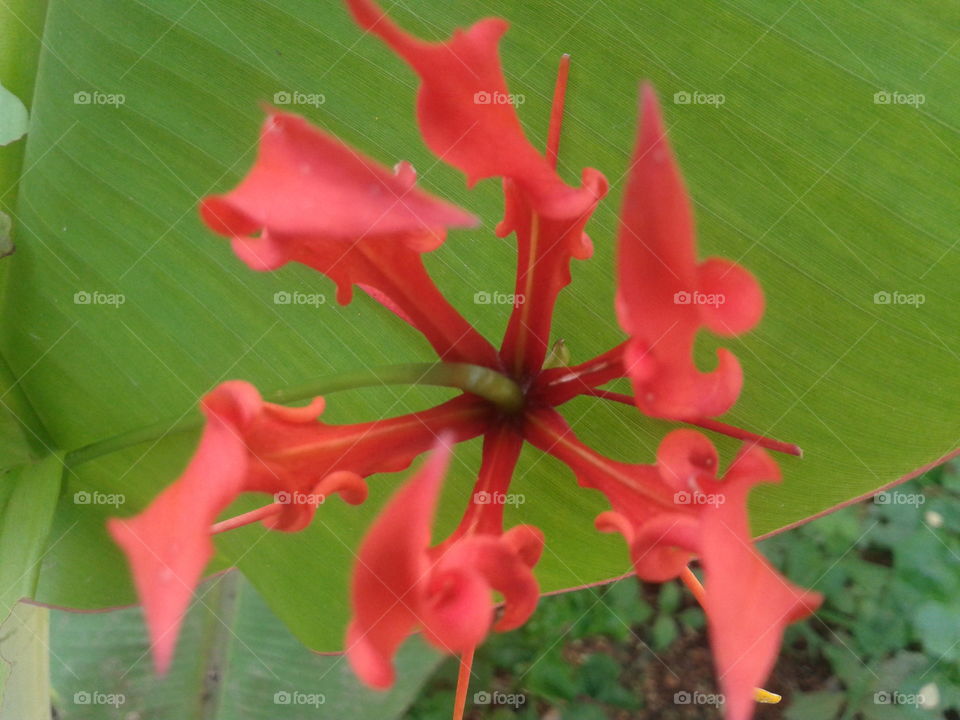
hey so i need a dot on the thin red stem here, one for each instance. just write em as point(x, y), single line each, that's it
point(463, 684)
point(246, 518)
point(712, 425)
point(549, 432)
point(484, 513)
point(556, 111)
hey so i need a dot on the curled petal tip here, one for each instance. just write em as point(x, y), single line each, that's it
point(684, 458)
point(614, 522)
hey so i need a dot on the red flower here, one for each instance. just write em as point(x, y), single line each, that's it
point(311, 199)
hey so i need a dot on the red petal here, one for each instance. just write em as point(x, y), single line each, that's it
point(748, 603)
point(168, 544)
point(465, 111)
point(457, 611)
point(392, 564)
point(660, 548)
point(295, 454)
point(319, 202)
point(307, 183)
point(497, 561)
point(743, 299)
point(664, 296)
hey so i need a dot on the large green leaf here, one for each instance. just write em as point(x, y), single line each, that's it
point(828, 196)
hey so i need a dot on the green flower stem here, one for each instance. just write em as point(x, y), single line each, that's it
point(484, 382)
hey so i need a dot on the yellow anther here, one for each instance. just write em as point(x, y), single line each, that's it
point(766, 697)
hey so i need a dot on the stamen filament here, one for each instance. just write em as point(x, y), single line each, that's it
point(463, 684)
point(246, 518)
point(714, 426)
point(565, 447)
point(693, 585)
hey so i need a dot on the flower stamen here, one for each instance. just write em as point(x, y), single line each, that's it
point(463, 684)
point(713, 425)
point(696, 588)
